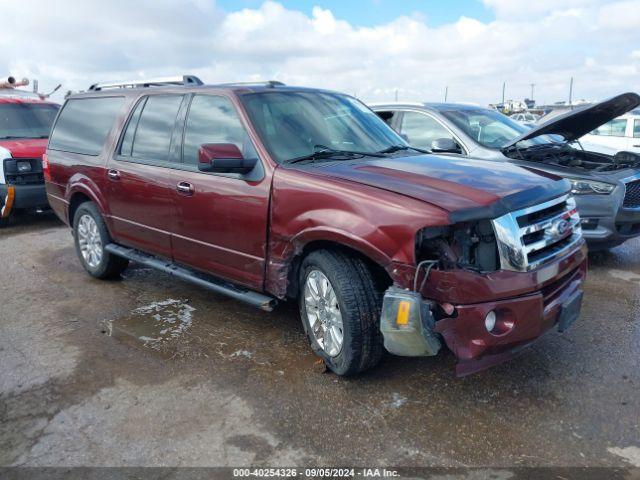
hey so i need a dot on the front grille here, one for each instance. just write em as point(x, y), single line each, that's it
point(533, 236)
point(25, 179)
point(632, 195)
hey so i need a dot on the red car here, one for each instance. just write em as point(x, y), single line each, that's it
point(25, 121)
point(265, 192)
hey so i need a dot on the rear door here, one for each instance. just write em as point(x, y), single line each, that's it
point(141, 185)
point(81, 136)
point(222, 218)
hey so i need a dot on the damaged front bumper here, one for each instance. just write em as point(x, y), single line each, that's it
point(515, 323)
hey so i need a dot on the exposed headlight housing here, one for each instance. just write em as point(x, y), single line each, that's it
point(587, 187)
point(23, 167)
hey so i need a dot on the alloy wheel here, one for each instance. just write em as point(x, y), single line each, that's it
point(89, 241)
point(323, 313)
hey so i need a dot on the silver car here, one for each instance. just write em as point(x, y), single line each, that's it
point(606, 187)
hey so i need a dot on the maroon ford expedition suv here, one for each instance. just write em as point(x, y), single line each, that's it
point(266, 192)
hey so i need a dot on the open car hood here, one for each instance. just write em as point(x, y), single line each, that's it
point(582, 120)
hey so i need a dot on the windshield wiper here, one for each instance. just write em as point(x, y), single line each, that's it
point(326, 152)
point(13, 137)
point(397, 148)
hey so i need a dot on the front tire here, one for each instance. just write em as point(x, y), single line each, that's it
point(340, 308)
point(91, 236)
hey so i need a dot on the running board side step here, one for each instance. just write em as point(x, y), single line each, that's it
point(264, 302)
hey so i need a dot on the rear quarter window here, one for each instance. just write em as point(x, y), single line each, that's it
point(84, 124)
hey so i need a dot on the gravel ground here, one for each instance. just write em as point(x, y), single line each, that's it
point(150, 371)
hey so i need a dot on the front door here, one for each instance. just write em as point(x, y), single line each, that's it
point(141, 186)
point(222, 218)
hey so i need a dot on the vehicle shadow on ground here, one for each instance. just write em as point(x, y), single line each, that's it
point(625, 256)
point(24, 222)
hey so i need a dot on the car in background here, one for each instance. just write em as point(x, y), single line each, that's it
point(619, 134)
point(607, 187)
point(25, 121)
point(526, 118)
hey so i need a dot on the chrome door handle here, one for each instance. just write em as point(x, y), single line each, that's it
point(113, 174)
point(185, 188)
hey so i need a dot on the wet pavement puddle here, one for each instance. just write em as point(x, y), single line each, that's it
point(179, 328)
point(155, 325)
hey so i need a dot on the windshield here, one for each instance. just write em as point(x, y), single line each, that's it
point(294, 124)
point(26, 120)
point(493, 129)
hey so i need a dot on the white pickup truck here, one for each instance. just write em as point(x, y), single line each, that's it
point(619, 134)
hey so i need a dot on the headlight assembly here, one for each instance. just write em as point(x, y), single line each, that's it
point(586, 187)
point(23, 167)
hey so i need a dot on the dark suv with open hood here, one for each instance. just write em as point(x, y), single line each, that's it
point(606, 187)
point(265, 192)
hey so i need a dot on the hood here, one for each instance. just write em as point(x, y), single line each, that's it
point(582, 120)
point(453, 184)
point(25, 147)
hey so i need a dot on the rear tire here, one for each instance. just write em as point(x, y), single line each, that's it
point(355, 305)
point(91, 236)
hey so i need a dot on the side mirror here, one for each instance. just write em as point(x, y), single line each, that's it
point(223, 158)
point(445, 145)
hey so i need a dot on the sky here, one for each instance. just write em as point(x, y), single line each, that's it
point(374, 49)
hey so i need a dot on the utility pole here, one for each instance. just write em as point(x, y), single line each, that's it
point(570, 91)
point(446, 93)
point(396, 94)
point(532, 85)
point(504, 86)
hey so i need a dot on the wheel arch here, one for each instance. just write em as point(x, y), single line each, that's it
point(373, 260)
point(80, 190)
point(76, 199)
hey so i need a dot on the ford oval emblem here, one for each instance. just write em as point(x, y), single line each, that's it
point(562, 227)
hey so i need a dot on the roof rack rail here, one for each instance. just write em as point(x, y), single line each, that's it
point(267, 83)
point(149, 82)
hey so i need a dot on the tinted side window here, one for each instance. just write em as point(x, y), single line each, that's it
point(636, 129)
point(613, 128)
point(213, 119)
point(155, 127)
point(618, 127)
point(388, 116)
point(127, 142)
point(84, 123)
point(420, 130)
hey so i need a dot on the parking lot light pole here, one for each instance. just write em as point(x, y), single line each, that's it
point(570, 91)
